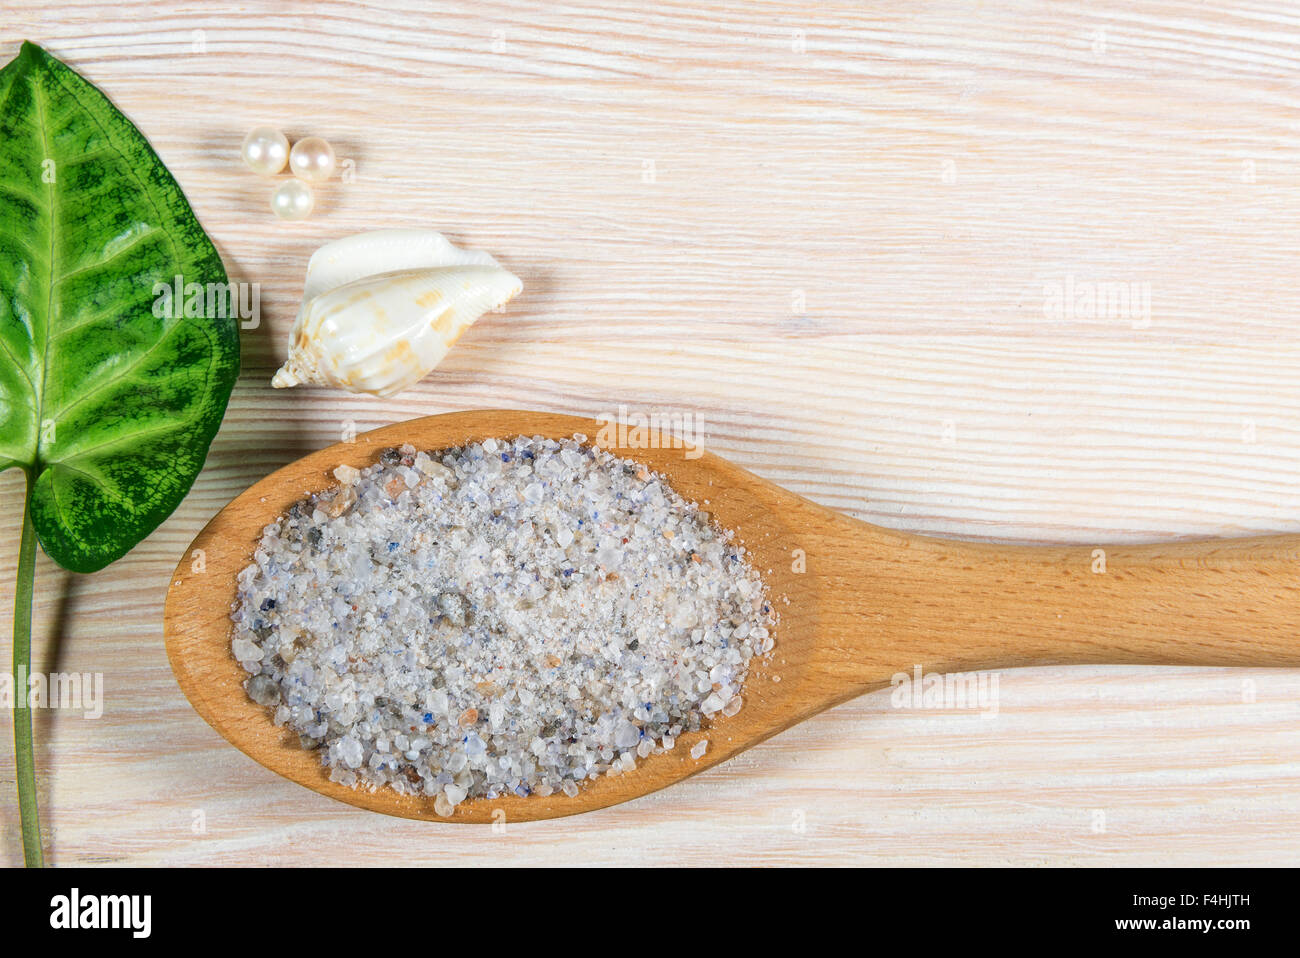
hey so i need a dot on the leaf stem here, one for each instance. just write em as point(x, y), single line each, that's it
point(24, 752)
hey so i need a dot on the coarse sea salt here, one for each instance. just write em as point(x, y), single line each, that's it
point(510, 617)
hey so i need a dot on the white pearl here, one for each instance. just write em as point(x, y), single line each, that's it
point(292, 200)
point(312, 158)
point(265, 150)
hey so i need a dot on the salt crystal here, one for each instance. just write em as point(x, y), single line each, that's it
point(263, 690)
point(626, 734)
point(347, 474)
point(349, 751)
point(246, 650)
point(434, 470)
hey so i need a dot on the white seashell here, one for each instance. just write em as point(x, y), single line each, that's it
point(383, 333)
point(380, 310)
point(383, 251)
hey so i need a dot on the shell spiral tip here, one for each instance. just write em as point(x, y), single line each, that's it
point(283, 378)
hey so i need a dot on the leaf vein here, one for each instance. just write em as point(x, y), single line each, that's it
point(121, 374)
point(136, 241)
point(77, 455)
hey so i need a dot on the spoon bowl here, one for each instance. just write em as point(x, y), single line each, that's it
point(858, 605)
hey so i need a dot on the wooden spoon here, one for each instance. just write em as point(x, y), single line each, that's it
point(858, 605)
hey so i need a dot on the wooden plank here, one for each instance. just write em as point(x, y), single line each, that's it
point(843, 258)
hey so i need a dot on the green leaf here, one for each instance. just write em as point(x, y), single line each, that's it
point(109, 407)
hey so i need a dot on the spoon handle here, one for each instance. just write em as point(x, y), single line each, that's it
point(892, 600)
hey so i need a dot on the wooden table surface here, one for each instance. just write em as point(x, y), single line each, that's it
point(858, 241)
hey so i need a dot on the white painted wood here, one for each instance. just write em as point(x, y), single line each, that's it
point(831, 231)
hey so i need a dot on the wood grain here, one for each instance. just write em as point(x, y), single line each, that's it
point(841, 260)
